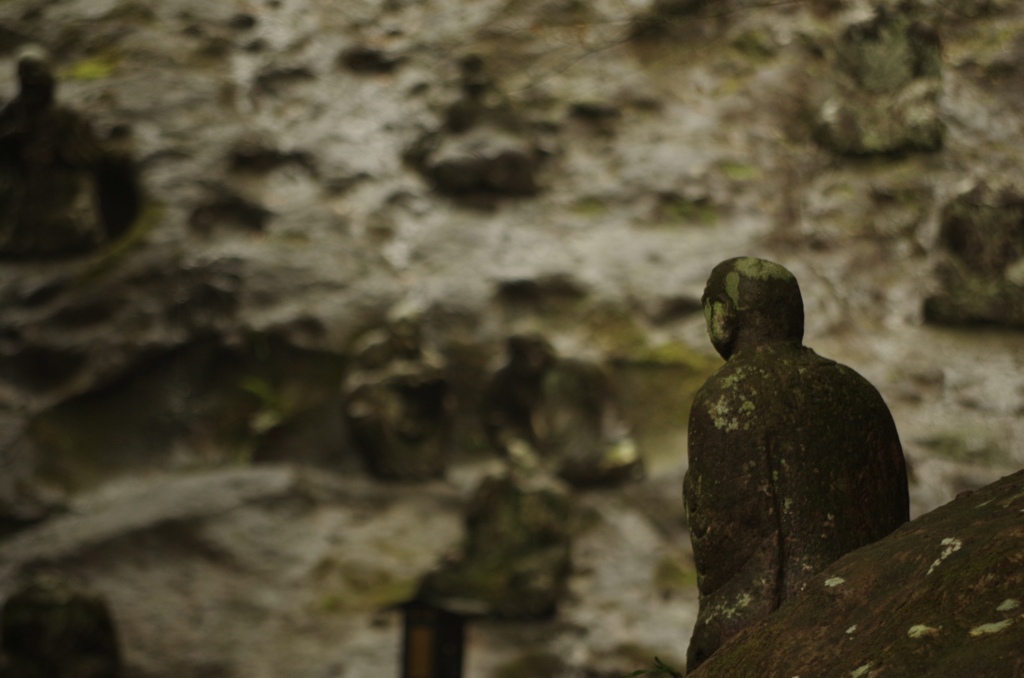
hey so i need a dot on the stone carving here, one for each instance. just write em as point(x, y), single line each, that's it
point(515, 560)
point(794, 459)
point(559, 414)
point(981, 272)
point(61, 190)
point(397, 403)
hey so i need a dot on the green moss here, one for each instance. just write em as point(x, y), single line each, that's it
point(357, 586)
point(589, 207)
point(670, 576)
point(111, 255)
point(97, 67)
point(672, 353)
point(738, 171)
point(679, 209)
point(758, 45)
point(759, 269)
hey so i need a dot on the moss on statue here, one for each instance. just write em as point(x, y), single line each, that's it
point(794, 459)
point(515, 558)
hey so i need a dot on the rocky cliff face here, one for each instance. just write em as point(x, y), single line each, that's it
point(312, 171)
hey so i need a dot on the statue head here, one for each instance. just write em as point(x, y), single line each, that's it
point(35, 75)
point(750, 302)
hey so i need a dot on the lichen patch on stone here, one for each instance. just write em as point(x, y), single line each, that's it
point(923, 631)
point(1008, 604)
point(952, 545)
point(732, 287)
point(860, 670)
point(994, 627)
point(759, 269)
point(834, 582)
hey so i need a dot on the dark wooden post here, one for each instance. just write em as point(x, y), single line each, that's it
point(433, 644)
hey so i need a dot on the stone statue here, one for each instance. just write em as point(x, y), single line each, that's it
point(794, 459)
point(398, 404)
point(558, 414)
point(59, 186)
point(54, 627)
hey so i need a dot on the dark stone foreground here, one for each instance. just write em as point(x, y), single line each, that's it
point(941, 596)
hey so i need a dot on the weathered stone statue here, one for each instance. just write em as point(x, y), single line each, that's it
point(794, 459)
point(398, 403)
point(516, 556)
point(48, 197)
point(485, 148)
point(54, 629)
point(560, 414)
point(61, 191)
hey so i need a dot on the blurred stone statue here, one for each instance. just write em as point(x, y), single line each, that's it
point(543, 411)
point(53, 628)
point(515, 559)
point(398, 404)
point(794, 460)
point(61, 192)
point(485, 149)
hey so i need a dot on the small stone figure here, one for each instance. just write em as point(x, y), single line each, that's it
point(542, 411)
point(515, 559)
point(485, 148)
point(58, 184)
point(794, 460)
point(398, 405)
point(54, 629)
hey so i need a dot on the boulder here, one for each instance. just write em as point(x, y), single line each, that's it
point(941, 596)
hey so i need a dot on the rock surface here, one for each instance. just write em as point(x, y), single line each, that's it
point(941, 596)
point(283, 217)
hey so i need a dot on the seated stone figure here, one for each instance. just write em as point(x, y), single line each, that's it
point(397, 403)
point(794, 459)
point(61, 191)
point(542, 411)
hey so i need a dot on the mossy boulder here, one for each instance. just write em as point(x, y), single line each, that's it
point(515, 561)
point(886, 89)
point(982, 275)
point(941, 596)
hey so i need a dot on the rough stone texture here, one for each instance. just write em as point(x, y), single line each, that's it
point(982, 273)
point(887, 88)
point(271, 138)
point(515, 560)
point(941, 596)
point(313, 562)
point(794, 459)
